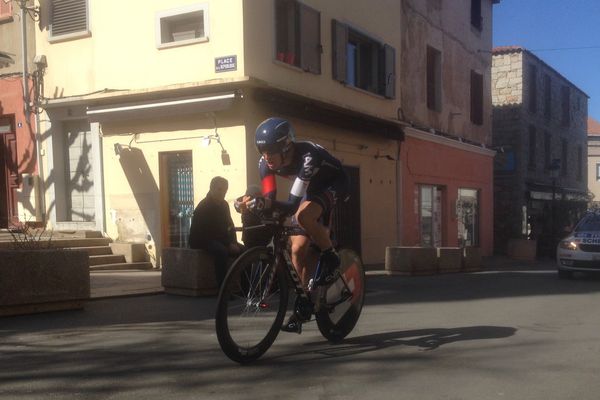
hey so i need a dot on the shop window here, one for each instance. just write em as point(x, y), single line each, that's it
point(430, 215)
point(363, 62)
point(298, 35)
point(69, 19)
point(467, 213)
point(182, 26)
point(434, 79)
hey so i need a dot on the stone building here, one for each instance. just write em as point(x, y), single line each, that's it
point(539, 130)
point(593, 161)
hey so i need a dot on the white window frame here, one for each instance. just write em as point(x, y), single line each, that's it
point(72, 35)
point(162, 16)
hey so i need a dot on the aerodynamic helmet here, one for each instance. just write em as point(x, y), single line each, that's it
point(274, 135)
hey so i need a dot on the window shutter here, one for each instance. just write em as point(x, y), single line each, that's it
point(310, 39)
point(389, 76)
point(476, 98)
point(340, 39)
point(5, 9)
point(68, 16)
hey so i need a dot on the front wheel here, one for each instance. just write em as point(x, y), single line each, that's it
point(342, 301)
point(251, 305)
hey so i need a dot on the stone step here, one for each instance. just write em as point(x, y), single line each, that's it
point(62, 243)
point(107, 259)
point(122, 266)
point(96, 250)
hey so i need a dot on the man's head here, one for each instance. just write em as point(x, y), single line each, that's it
point(218, 188)
point(274, 140)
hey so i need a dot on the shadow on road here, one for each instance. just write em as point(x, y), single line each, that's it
point(424, 339)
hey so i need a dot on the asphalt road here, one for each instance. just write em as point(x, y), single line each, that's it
point(511, 334)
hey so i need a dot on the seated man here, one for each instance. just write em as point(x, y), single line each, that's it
point(212, 228)
point(319, 182)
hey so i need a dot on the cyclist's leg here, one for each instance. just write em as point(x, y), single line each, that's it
point(300, 246)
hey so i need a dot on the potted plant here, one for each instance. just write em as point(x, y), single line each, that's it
point(36, 276)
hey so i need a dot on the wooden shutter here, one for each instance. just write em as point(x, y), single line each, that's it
point(310, 39)
point(68, 16)
point(389, 72)
point(340, 40)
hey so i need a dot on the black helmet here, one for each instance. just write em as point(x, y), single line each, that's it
point(274, 135)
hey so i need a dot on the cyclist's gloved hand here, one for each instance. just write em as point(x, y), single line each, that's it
point(259, 204)
point(240, 203)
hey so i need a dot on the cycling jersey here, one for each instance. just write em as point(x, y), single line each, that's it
point(318, 176)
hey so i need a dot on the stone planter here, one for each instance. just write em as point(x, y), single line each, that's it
point(522, 249)
point(403, 260)
point(188, 272)
point(40, 280)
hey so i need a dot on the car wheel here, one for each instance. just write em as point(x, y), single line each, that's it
point(562, 274)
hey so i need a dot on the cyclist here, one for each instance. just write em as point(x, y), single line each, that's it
point(319, 182)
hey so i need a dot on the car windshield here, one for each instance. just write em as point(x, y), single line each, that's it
point(589, 223)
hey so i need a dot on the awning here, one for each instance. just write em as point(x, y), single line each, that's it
point(5, 60)
point(160, 108)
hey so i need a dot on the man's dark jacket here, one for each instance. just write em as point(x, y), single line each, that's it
point(211, 221)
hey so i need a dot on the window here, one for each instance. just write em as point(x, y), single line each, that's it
point(363, 62)
point(5, 10)
point(547, 97)
point(579, 163)
point(476, 98)
point(467, 214)
point(532, 88)
point(564, 161)
point(69, 19)
point(430, 215)
point(598, 171)
point(434, 79)
point(565, 101)
point(547, 150)
point(298, 35)
point(476, 18)
point(532, 147)
point(182, 26)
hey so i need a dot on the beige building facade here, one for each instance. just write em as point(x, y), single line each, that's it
point(141, 113)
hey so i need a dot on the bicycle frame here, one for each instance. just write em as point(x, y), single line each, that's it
point(279, 246)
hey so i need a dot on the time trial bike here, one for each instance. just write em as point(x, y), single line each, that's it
point(253, 299)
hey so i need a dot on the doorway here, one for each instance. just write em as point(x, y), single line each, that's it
point(346, 215)
point(177, 202)
point(9, 173)
point(79, 173)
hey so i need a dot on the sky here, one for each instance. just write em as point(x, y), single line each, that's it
point(563, 33)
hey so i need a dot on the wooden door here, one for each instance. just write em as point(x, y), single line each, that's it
point(9, 174)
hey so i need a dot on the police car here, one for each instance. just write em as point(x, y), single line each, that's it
point(580, 251)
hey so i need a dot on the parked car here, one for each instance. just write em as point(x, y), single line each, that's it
point(580, 251)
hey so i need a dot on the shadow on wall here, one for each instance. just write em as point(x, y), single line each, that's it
point(147, 200)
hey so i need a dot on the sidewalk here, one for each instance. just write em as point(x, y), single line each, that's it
point(107, 284)
point(123, 283)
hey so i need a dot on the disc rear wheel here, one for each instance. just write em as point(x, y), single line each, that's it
point(342, 301)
